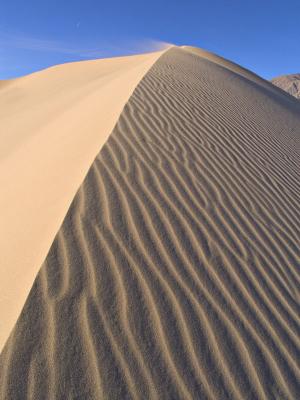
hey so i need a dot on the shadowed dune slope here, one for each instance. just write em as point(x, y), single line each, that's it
point(231, 66)
point(175, 274)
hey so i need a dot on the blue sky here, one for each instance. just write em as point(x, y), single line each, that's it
point(260, 35)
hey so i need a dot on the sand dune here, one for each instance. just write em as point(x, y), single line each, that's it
point(289, 83)
point(175, 274)
point(53, 123)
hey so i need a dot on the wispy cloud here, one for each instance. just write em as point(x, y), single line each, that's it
point(21, 54)
point(19, 41)
point(102, 49)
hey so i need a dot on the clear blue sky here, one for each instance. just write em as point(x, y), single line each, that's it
point(261, 35)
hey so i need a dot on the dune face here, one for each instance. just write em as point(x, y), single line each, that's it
point(289, 83)
point(53, 124)
point(175, 274)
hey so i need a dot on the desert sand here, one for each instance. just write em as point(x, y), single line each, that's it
point(175, 273)
point(289, 83)
point(53, 124)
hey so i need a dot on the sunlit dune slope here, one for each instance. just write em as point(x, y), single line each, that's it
point(52, 125)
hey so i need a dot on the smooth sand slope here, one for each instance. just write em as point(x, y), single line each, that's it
point(175, 274)
point(53, 124)
point(289, 83)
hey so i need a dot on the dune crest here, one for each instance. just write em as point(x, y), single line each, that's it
point(53, 123)
point(175, 274)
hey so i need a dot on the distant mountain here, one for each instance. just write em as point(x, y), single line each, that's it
point(289, 83)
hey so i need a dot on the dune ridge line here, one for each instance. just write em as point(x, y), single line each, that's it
point(53, 124)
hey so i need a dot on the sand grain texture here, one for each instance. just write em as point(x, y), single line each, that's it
point(175, 274)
